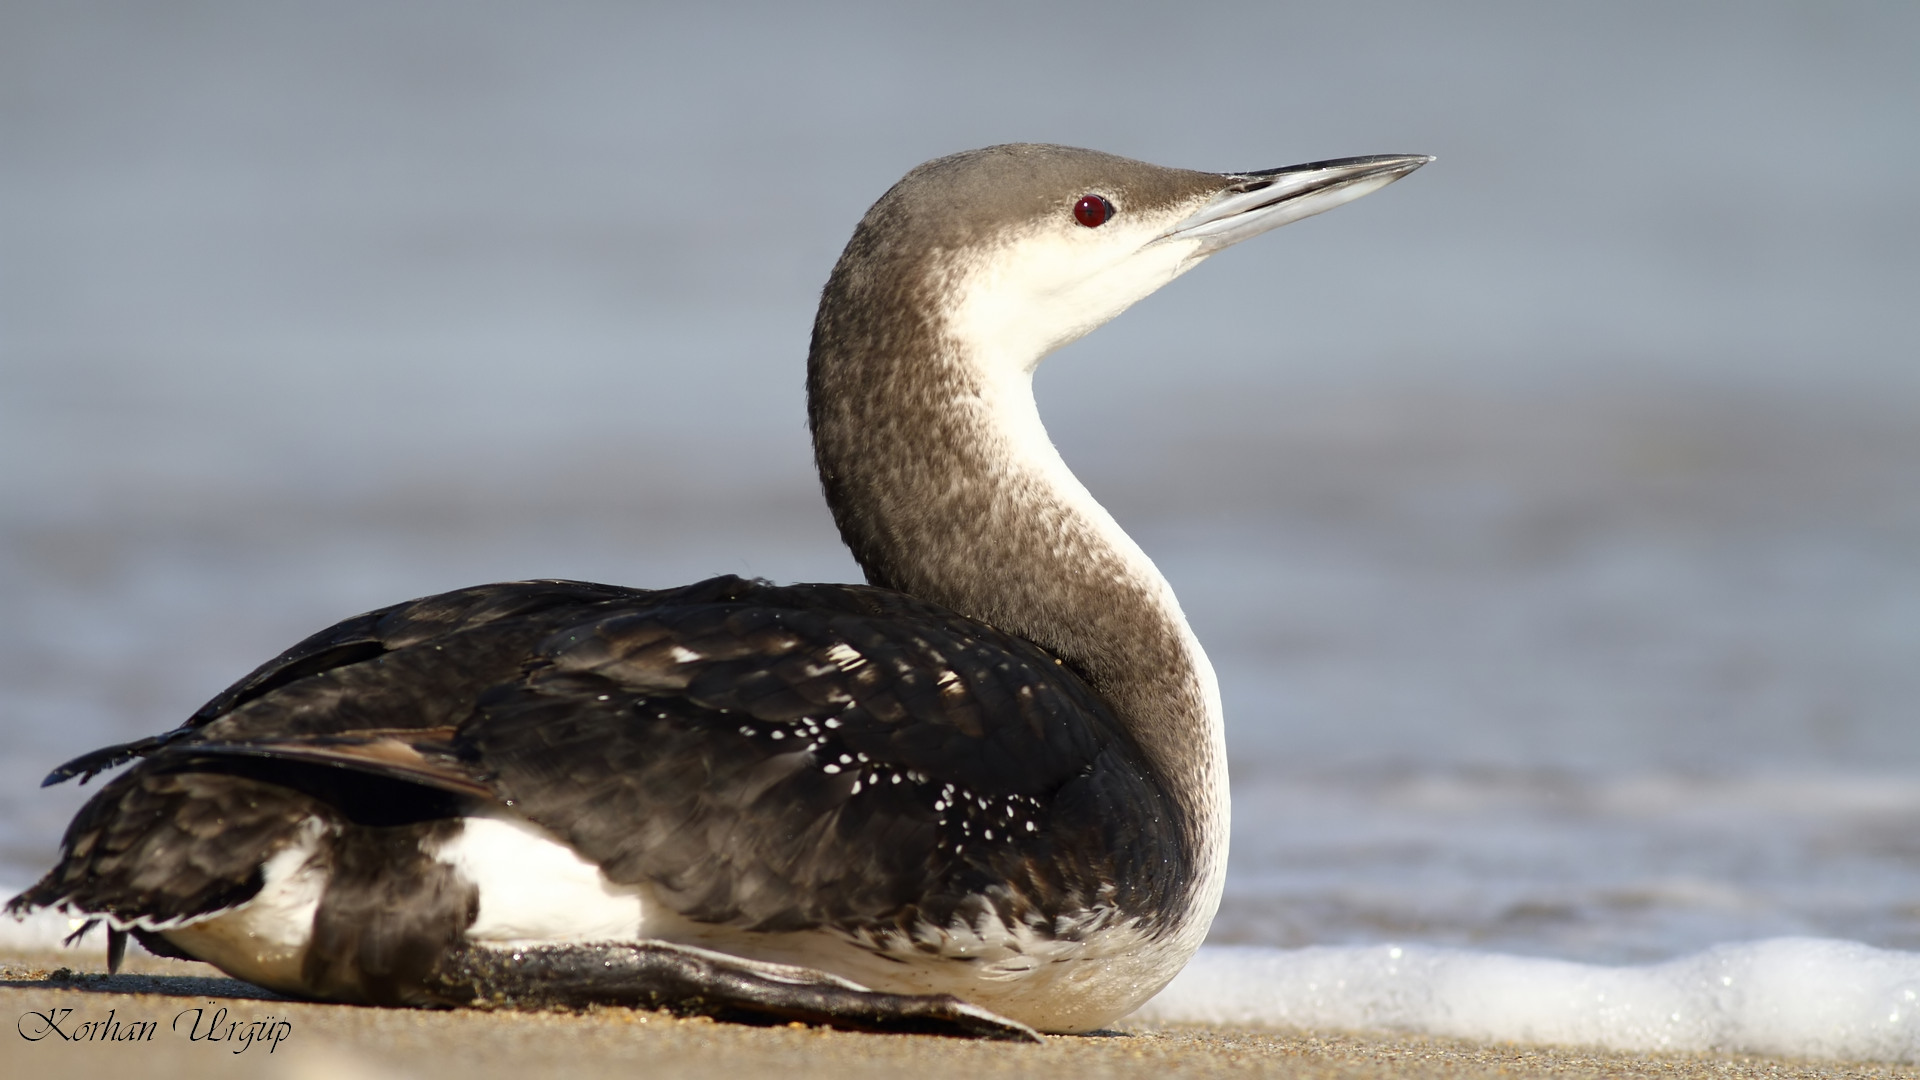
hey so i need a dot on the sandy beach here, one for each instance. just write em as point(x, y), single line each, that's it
point(172, 1011)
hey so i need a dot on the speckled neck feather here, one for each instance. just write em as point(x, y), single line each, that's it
point(945, 486)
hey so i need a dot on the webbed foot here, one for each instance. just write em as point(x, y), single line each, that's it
point(687, 980)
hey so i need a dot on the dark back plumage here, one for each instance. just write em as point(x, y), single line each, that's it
point(771, 758)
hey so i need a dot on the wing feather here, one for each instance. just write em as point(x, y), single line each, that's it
point(774, 758)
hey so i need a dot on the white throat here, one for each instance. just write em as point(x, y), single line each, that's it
point(997, 336)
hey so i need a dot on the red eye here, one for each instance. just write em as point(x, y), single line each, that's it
point(1092, 211)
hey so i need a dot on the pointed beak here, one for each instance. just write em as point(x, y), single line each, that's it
point(1257, 201)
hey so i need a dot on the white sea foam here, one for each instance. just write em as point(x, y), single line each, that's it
point(39, 932)
point(1792, 997)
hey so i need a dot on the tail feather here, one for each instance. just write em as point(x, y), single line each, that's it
point(154, 849)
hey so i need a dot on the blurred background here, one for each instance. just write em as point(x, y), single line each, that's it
point(1553, 517)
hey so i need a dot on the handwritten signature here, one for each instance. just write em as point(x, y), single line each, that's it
point(208, 1026)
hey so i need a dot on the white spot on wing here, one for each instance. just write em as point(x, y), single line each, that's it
point(846, 656)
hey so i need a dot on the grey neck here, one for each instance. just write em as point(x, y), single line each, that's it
point(945, 486)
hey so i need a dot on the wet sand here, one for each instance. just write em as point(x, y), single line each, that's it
point(352, 1042)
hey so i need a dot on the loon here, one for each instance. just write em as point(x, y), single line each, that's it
point(984, 794)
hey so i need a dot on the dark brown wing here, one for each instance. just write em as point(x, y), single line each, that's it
point(353, 725)
point(776, 758)
point(783, 758)
point(368, 637)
